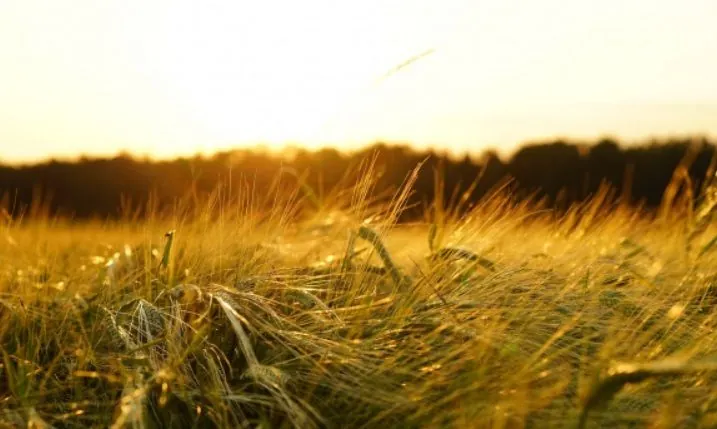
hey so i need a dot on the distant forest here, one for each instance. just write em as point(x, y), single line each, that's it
point(560, 173)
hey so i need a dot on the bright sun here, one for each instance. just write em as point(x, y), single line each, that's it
point(277, 80)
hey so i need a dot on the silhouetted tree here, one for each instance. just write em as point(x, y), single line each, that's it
point(559, 172)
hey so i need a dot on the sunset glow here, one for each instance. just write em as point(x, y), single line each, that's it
point(166, 78)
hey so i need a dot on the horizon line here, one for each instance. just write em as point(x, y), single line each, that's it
point(295, 147)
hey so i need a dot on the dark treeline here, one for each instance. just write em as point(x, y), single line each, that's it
point(558, 172)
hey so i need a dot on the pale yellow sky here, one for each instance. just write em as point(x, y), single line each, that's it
point(176, 77)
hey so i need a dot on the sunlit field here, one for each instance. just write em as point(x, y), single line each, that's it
point(327, 312)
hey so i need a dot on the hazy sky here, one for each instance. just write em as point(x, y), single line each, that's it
point(176, 77)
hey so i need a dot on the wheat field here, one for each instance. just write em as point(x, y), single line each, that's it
point(507, 315)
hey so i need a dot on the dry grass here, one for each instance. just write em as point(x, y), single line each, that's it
point(509, 316)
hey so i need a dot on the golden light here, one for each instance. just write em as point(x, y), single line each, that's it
point(178, 77)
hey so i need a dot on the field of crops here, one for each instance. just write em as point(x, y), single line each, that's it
point(506, 316)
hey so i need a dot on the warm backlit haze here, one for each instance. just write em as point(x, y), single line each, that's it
point(174, 77)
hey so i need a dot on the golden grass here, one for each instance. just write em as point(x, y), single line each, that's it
point(507, 316)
